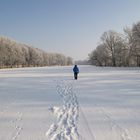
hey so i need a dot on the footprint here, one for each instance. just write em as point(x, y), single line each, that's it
point(67, 115)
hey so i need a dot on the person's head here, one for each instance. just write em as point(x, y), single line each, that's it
point(75, 65)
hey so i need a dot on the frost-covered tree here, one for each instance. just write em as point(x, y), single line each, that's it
point(99, 56)
point(69, 61)
point(129, 43)
point(136, 42)
point(13, 54)
point(112, 50)
point(117, 49)
point(45, 59)
point(114, 44)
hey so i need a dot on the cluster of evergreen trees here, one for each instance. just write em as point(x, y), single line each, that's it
point(13, 54)
point(117, 49)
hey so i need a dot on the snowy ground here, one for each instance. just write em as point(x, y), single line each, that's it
point(47, 104)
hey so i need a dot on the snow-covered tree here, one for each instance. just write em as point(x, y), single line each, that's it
point(136, 42)
point(13, 54)
point(114, 44)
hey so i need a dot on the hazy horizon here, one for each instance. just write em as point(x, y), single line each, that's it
point(71, 27)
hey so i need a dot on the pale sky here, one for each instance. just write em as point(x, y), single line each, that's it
point(71, 27)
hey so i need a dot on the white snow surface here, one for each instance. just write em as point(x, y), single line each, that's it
point(48, 104)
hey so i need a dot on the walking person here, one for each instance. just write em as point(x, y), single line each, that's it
point(76, 71)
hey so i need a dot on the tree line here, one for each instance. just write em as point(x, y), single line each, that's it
point(116, 49)
point(13, 54)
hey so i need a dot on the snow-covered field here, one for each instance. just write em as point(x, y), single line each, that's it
point(47, 104)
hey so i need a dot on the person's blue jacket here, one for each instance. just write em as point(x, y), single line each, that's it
point(76, 69)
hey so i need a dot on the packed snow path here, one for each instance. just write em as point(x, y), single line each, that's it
point(67, 116)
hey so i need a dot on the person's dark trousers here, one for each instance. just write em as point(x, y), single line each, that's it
point(75, 76)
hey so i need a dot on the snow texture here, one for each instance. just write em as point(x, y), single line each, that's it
point(48, 104)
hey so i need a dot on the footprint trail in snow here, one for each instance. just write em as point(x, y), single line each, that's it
point(65, 127)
